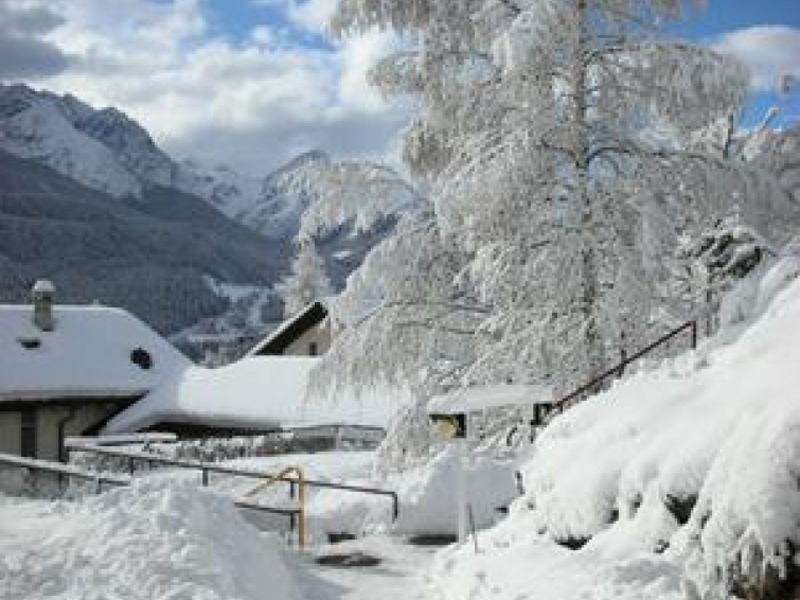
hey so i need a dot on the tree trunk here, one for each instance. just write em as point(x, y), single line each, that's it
point(593, 349)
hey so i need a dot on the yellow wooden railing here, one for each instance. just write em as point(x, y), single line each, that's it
point(301, 497)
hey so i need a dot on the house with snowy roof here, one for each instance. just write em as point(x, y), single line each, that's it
point(66, 370)
point(307, 333)
point(267, 390)
point(256, 394)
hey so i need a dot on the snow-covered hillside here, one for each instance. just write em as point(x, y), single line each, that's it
point(679, 482)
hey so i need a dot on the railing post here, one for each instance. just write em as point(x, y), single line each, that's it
point(694, 334)
point(130, 465)
point(205, 477)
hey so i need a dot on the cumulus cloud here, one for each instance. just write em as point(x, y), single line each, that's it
point(772, 52)
point(312, 15)
point(251, 102)
point(22, 53)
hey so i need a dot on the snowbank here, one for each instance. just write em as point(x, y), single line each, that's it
point(682, 481)
point(153, 540)
point(259, 392)
point(426, 496)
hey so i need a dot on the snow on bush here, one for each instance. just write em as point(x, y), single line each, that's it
point(152, 540)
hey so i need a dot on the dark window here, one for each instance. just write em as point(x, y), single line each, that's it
point(141, 358)
point(312, 349)
point(28, 433)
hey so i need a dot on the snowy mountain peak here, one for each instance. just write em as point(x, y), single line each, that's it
point(306, 158)
point(130, 143)
point(36, 125)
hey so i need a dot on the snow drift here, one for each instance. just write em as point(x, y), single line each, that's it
point(426, 496)
point(153, 540)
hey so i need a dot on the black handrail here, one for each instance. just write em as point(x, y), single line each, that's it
point(205, 468)
point(561, 404)
point(47, 466)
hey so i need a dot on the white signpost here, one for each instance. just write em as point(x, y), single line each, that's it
point(449, 414)
point(453, 426)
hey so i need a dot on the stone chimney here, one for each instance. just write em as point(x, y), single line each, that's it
point(43, 296)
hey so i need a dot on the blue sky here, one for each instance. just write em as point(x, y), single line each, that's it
point(721, 17)
point(252, 83)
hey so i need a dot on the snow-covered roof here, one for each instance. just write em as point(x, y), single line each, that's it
point(88, 354)
point(292, 328)
point(258, 392)
point(491, 396)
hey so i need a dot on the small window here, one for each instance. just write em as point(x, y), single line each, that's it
point(28, 433)
point(312, 349)
point(142, 358)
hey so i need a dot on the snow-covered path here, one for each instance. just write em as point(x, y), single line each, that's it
point(399, 576)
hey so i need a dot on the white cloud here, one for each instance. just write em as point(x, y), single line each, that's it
point(250, 103)
point(770, 51)
point(312, 14)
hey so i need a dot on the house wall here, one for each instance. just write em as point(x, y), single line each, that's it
point(48, 417)
point(10, 432)
point(319, 334)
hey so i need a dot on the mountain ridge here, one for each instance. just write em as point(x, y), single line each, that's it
point(89, 185)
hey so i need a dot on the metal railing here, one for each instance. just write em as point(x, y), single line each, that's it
point(616, 371)
point(66, 471)
point(205, 468)
point(70, 471)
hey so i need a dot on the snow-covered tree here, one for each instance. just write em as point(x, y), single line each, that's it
point(711, 264)
point(361, 193)
point(307, 281)
point(558, 142)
